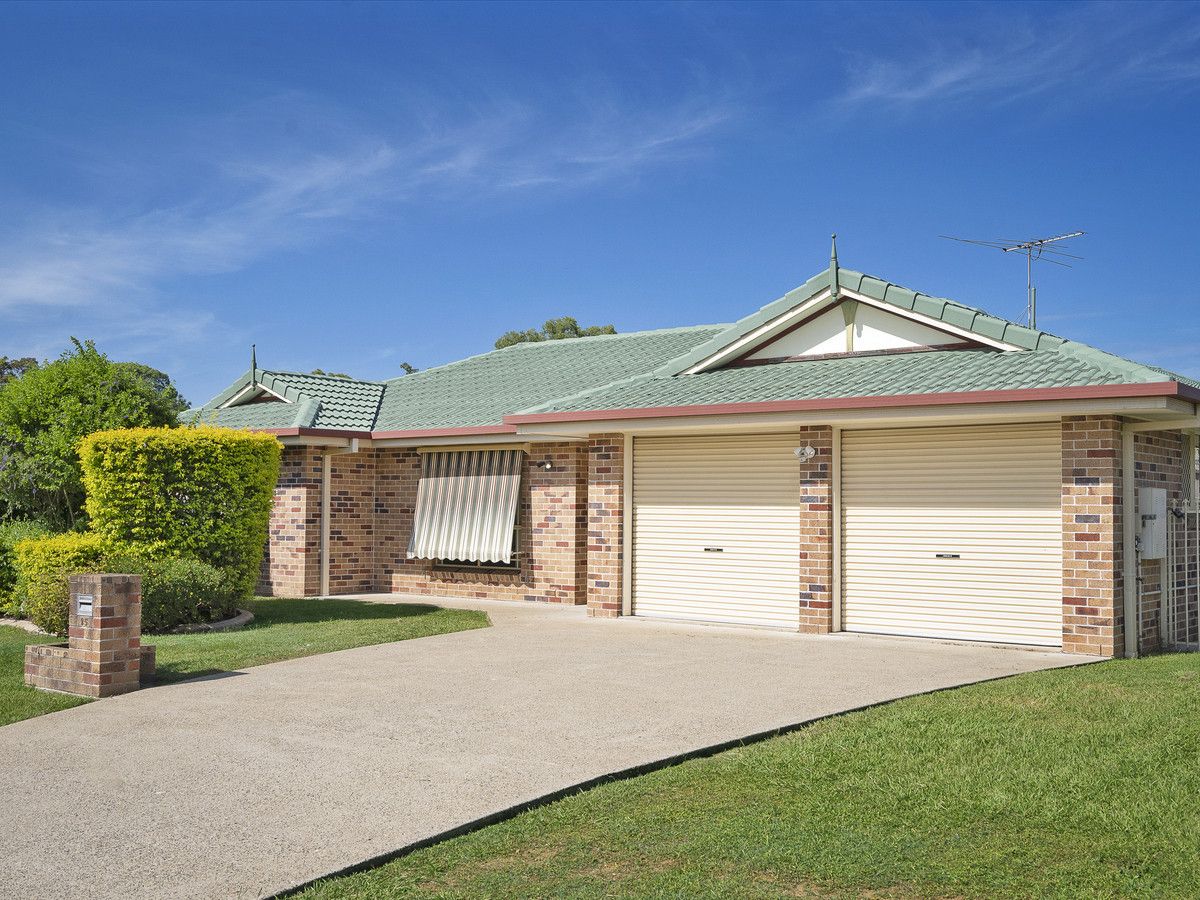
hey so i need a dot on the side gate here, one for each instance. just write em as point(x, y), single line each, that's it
point(1180, 621)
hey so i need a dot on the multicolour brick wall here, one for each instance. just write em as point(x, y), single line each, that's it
point(605, 525)
point(352, 520)
point(550, 520)
point(291, 563)
point(1091, 517)
point(816, 532)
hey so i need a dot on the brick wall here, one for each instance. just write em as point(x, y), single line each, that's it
point(103, 655)
point(605, 527)
point(551, 520)
point(1091, 517)
point(352, 485)
point(291, 563)
point(816, 532)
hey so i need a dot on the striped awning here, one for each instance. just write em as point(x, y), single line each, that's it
point(467, 506)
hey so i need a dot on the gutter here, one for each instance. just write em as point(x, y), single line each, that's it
point(1084, 392)
point(326, 474)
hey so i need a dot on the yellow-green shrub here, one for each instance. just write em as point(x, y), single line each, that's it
point(203, 493)
point(43, 566)
point(12, 533)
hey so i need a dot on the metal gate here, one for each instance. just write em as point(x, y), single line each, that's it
point(1181, 609)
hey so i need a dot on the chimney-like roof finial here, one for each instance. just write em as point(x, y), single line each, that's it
point(253, 364)
point(835, 288)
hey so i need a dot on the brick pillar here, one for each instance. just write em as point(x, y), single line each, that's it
point(103, 655)
point(605, 535)
point(816, 532)
point(1091, 522)
point(556, 541)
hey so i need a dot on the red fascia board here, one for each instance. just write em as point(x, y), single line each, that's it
point(1084, 392)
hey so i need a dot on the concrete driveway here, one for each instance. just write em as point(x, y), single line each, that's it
point(247, 784)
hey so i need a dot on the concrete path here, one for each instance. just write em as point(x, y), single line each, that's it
point(247, 784)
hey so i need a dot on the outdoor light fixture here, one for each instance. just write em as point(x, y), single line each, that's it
point(805, 453)
point(546, 464)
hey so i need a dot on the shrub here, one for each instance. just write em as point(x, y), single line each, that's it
point(203, 493)
point(10, 534)
point(178, 591)
point(43, 566)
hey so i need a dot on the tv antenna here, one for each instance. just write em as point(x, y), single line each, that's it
point(1035, 251)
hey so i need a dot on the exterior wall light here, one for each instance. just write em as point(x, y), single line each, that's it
point(546, 464)
point(805, 453)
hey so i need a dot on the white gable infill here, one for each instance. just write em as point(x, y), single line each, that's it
point(818, 327)
point(251, 392)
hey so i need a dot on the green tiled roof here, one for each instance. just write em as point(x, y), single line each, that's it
point(643, 370)
point(481, 390)
point(929, 372)
point(312, 401)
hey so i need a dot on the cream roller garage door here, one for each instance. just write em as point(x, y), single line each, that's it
point(954, 532)
point(716, 529)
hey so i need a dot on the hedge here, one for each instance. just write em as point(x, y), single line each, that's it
point(178, 591)
point(43, 566)
point(10, 534)
point(203, 493)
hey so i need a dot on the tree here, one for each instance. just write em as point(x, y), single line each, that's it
point(15, 368)
point(552, 330)
point(330, 374)
point(408, 368)
point(48, 409)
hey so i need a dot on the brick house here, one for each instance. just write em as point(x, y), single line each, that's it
point(853, 456)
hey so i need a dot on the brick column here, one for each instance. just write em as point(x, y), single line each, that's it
point(816, 532)
point(605, 534)
point(104, 655)
point(1091, 522)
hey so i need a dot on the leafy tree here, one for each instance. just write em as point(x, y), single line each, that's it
point(15, 368)
point(330, 374)
point(45, 412)
point(552, 330)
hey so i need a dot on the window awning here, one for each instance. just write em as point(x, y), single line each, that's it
point(466, 506)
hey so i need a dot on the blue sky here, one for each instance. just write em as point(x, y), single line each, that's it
point(354, 185)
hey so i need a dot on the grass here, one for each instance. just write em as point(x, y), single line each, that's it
point(1071, 783)
point(282, 629)
point(16, 700)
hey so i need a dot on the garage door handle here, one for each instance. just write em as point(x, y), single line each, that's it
point(714, 549)
point(947, 556)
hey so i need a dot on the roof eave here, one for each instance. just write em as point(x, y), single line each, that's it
point(1082, 392)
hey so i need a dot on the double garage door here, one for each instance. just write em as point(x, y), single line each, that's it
point(945, 532)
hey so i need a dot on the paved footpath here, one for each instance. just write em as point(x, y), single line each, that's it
point(246, 784)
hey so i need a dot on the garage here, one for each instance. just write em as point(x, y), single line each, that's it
point(953, 532)
point(716, 529)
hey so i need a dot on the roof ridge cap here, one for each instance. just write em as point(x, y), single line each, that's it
point(335, 378)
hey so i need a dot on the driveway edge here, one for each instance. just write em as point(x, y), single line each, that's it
point(625, 774)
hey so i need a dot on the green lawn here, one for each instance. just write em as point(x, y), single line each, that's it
point(1072, 783)
point(282, 629)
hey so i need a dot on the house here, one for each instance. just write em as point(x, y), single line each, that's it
point(854, 455)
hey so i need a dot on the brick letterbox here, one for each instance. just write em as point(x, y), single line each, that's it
point(103, 655)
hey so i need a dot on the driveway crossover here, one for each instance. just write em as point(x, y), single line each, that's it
point(246, 784)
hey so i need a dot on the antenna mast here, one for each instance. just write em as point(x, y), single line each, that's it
point(1034, 251)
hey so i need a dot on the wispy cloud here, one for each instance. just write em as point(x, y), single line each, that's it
point(247, 206)
point(1092, 49)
